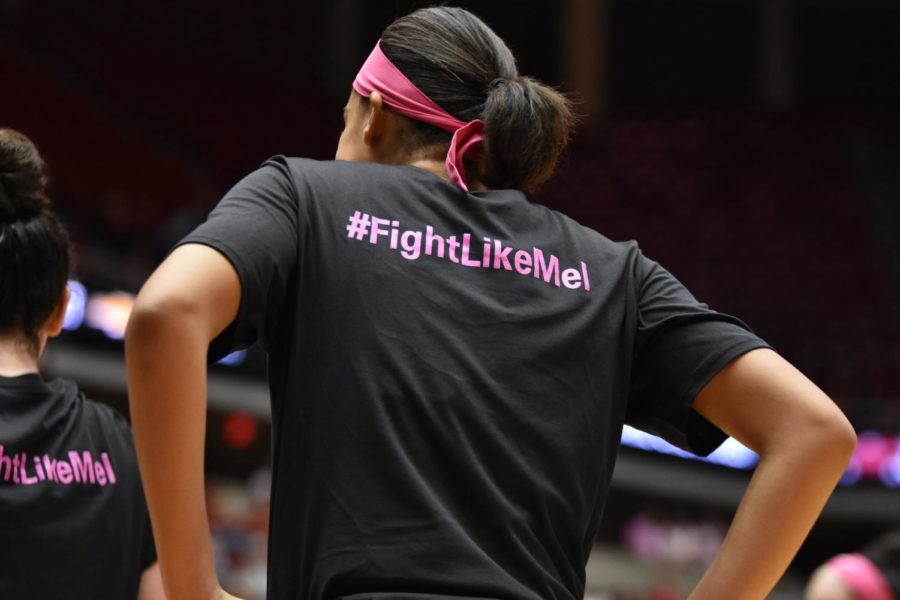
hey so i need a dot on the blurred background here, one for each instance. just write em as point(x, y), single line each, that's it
point(751, 146)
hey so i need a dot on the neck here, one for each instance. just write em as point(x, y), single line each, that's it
point(436, 166)
point(432, 166)
point(16, 357)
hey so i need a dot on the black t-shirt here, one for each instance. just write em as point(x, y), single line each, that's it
point(449, 374)
point(73, 520)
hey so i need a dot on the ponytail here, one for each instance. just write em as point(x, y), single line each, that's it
point(455, 59)
point(527, 127)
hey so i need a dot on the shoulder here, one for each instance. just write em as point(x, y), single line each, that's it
point(112, 420)
point(338, 172)
point(599, 246)
point(95, 419)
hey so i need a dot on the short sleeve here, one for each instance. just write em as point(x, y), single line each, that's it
point(680, 345)
point(255, 226)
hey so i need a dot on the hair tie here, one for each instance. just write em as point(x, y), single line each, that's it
point(495, 83)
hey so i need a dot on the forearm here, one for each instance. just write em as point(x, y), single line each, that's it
point(784, 498)
point(166, 360)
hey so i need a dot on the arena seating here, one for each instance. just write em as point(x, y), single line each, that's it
point(156, 127)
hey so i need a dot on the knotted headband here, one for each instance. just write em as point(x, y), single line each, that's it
point(378, 74)
point(862, 577)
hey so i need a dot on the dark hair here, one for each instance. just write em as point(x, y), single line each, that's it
point(466, 69)
point(34, 246)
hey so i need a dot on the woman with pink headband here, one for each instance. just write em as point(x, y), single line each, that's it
point(873, 574)
point(451, 365)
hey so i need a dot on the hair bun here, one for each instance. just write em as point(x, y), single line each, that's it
point(23, 178)
point(15, 206)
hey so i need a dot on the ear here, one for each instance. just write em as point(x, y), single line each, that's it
point(374, 128)
point(55, 322)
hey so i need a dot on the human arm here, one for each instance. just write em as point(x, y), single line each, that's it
point(187, 302)
point(804, 443)
point(227, 281)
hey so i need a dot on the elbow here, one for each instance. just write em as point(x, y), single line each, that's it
point(845, 438)
point(833, 437)
point(145, 323)
point(141, 321)
point(820, 433)
point(154, 319)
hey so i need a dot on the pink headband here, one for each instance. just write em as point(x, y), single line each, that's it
point(863, 578)
point(379, 74)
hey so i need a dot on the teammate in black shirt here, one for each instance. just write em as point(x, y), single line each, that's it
point(73, 520)
point(450, 364)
